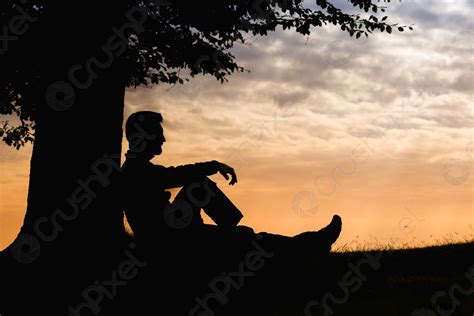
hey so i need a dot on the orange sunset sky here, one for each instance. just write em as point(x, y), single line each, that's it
point(377, 130)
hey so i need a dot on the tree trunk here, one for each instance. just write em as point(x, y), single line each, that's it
point(76, 153)
point(76, 158)
point(73, 221)
point(73, 229)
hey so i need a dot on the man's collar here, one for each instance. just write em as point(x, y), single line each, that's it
point(143, 156)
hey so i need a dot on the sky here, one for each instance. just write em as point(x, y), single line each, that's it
point(378, 130)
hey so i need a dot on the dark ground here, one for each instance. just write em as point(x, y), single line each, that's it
point(417, 282)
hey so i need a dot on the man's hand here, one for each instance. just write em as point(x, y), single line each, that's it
point(226, 170)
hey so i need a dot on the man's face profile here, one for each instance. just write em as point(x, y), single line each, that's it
point(145, 133)
point(155, 145)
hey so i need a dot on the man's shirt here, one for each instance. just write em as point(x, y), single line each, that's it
point(144, 192)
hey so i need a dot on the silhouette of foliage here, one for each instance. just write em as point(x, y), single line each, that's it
point(195, 36)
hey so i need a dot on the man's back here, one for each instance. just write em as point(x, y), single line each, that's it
point(145, 198)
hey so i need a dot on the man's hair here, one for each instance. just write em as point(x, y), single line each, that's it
point(142, 120)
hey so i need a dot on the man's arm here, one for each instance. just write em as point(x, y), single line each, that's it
point(173, 177)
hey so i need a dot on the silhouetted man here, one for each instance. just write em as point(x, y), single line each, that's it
point(154, 218)
point(183, 251)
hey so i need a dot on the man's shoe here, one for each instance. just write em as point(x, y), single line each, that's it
point(323, 238)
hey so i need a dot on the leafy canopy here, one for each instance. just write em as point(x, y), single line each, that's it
point(166, 36)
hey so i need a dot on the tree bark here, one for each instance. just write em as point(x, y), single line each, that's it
point(73, 227)
point(76, 152)
point(75, 162)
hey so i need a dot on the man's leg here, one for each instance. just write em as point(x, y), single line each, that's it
point(204, 194)
point(311, 241)
point(200, 194)
point(187, 201)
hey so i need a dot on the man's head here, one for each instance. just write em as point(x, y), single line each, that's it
point(144, 132)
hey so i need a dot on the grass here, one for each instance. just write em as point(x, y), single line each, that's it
point(415, 281)
point(357, 245)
